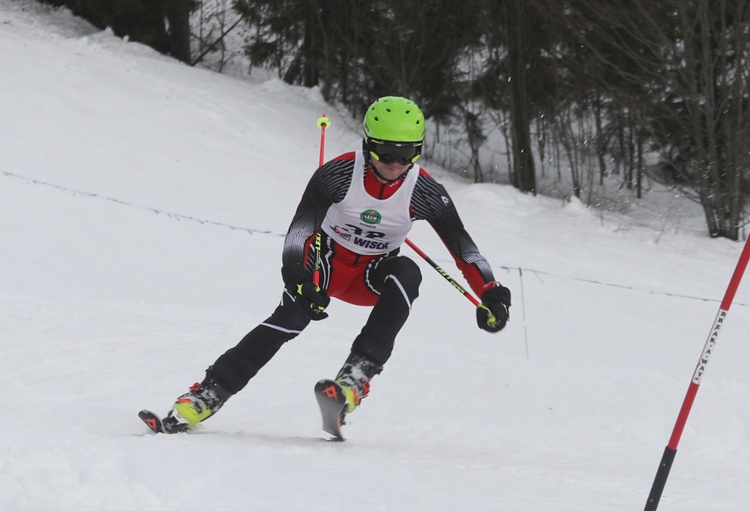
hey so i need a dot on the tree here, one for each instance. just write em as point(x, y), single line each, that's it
point(679, 66)
point(519, 82)
point(161, 24)
point(356, 51)
point(516, 26)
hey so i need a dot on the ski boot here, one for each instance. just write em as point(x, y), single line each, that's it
point(354, 379)
point(341, 396)
point(202, 401)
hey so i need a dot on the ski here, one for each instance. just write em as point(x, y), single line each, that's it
point(157, 425)
point(152, 420)
point(332, 401)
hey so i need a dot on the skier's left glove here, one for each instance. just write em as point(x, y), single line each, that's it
point(492, 314)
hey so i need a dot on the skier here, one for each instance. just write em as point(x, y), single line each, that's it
point(353, 217)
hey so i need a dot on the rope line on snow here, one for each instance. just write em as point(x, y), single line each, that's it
point(179, 216)
point(619, 286)
point(121, 202)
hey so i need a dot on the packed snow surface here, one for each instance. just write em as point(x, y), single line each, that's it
point(143, 205)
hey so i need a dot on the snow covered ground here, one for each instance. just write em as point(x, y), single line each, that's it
point(142, 209)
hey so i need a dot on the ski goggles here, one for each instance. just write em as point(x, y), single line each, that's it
point(389, 152)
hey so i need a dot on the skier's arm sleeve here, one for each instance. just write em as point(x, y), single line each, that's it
point(444, 218)
point(327, 185)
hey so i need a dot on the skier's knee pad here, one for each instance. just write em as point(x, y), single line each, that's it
point(405, 271)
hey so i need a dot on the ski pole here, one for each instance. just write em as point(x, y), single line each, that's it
point(444, 273)
point(316, 268)
point(323, 123)
point(671, 450)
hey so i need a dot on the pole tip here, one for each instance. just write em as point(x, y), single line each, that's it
point(323, 121)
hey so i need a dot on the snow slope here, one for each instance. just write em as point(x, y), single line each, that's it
point(142, 210)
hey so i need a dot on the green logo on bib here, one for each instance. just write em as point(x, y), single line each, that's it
point(370, 217)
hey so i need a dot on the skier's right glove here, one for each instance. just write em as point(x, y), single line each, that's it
point(492, 314)
point(312, 300)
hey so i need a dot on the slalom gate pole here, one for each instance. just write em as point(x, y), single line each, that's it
point(671, 450)
point(323, 123)
point(442, 272)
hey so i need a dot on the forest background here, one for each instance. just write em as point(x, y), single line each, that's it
point(562, 97)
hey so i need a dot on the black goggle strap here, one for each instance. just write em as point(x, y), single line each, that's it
point(388, 152)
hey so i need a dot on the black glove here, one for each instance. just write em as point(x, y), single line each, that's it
point(312, 300)
point(492, 314)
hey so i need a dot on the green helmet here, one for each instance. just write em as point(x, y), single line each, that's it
point(394, 119)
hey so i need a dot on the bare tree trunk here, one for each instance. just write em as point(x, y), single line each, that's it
point(523, 158)
point(177, 13)
point(601, 146)
point(639, 167)
point(541, 142)
point(568, 140)
point(475, 138)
